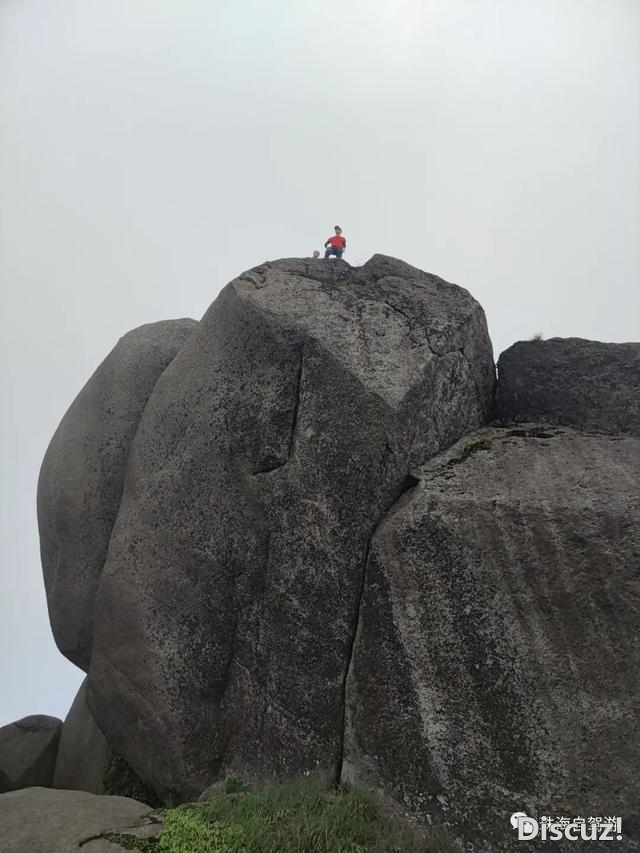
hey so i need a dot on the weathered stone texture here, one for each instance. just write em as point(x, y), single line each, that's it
point(82, 477)
point(28, 750)
point(87, 762)
point(43, 820)
point(83, 754)
point(571, 381)
point(267, 453)
point(497, 661)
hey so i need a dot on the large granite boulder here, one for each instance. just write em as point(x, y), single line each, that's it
point(268, 452)
point(571, 381)
point(82, 477)
point(497, 663)
point(42, 820)
point(28, 751)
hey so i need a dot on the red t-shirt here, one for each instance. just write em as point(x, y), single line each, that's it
point(337, 241)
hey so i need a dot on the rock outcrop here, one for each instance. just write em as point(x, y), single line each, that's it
point(83, 754)
point(86, 761)
point(497, 664)
point(42, 820)
point(82, 477)
point(284, 541)
point(266, 454)
point(28, 751)
point(584, 384)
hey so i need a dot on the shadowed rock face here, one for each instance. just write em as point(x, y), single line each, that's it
point(268, 452)
point(28, 752)
point(83, 754)
point(87, 762)
point(571, 381)
point(496, 666)
point(82, 477)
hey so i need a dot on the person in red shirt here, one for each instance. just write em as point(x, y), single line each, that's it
point(335, 245)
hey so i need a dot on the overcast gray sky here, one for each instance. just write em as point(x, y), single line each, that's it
point(151, 150)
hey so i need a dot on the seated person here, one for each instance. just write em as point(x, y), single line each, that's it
point(335, 245)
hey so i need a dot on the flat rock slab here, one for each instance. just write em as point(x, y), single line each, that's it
point(28, 750)
point(43, 820)
point(584, 384)
point(497, 663)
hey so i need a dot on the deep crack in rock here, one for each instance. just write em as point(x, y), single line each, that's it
point(410, 482)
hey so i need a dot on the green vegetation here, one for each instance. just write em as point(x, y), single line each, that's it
point(536, 337)
point(303, 816)
point(477, 442)
point(189, 830)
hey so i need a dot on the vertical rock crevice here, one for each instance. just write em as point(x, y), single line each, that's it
point(409, 483)
point(296, 405)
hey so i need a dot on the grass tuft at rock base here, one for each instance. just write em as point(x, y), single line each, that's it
point(302, 816)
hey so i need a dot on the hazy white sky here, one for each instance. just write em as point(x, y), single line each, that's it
point(151, 150)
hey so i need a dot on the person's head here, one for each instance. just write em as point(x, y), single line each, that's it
point(316, 253)
point(337, 229)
